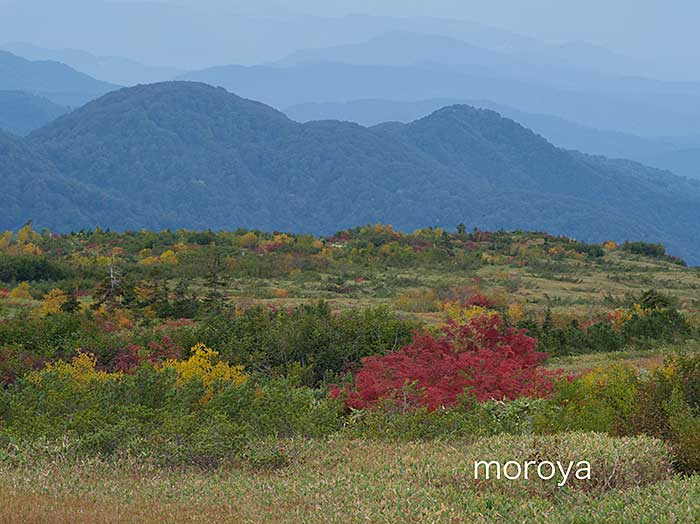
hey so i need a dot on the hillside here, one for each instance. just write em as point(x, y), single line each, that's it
point(22, 112)
point(53, 80)
point(176, 149)
point(33, 189)
point(664, 153)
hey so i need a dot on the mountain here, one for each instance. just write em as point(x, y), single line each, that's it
point(399, 48)
point(191, 155)
point(565, 65)
point(53, 80)
point(640, 107)
point(114, 69)
point(683, 161)
point(22, 112)
point(33, 189)
point(664, 153)
point(194, 37)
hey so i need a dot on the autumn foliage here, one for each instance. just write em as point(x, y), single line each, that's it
point(479, 358)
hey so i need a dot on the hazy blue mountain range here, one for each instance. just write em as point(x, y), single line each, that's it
point(192, 36)
point(684, 162)
point(672, 154)
point(189, 155)
point(114, 69)
point(22, 112)
point(667, 111)
point(523, 58)
point(53, 80)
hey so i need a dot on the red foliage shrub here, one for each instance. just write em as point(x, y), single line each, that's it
point(129, 359)
point(478, 299)
point(480, 358)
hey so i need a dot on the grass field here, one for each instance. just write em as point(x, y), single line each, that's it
point(338, 481)
point(108, 416)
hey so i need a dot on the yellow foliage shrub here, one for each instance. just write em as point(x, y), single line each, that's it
point(81, 369)
point(202, 364)
point(53, 302)
point(462, 315)
point(248, 240)
point(31, 249)
point(21, 291)
point(168, 257)
point(515, 312)
point(27, 234)
point(5, 239)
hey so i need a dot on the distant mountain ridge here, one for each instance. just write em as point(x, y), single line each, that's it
point(22, 112)
point(53, 80)
point(664, 153)
point(113, 69)
point(636, 106)
point(181, 154)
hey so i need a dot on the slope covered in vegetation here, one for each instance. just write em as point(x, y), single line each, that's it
point(190, 155)
point(269, 362)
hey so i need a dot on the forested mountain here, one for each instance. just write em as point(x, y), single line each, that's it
point(53, 80)
point(190, 155)
point(22, 112)
point(32, 189)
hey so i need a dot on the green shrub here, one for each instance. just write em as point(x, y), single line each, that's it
point(665, 325)
point(29, 268)
point(684, 425)
point(277, 408)
point(602, 400)
point(310, 336)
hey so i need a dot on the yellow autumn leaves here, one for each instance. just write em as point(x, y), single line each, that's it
point(203, 364)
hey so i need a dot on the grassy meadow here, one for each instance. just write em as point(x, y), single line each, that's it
point(269, 378)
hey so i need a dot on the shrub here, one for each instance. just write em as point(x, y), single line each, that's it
point(601, 400)
point(277, 408)
point(479, 358)
point(311, 336)
point(29, 268)
point(201, 365)
point(668, 406)
point(665, 325)
point(684, 426)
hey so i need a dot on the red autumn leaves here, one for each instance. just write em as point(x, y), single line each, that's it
point(480, 358)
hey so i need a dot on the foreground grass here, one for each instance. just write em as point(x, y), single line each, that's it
point(340, 481)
